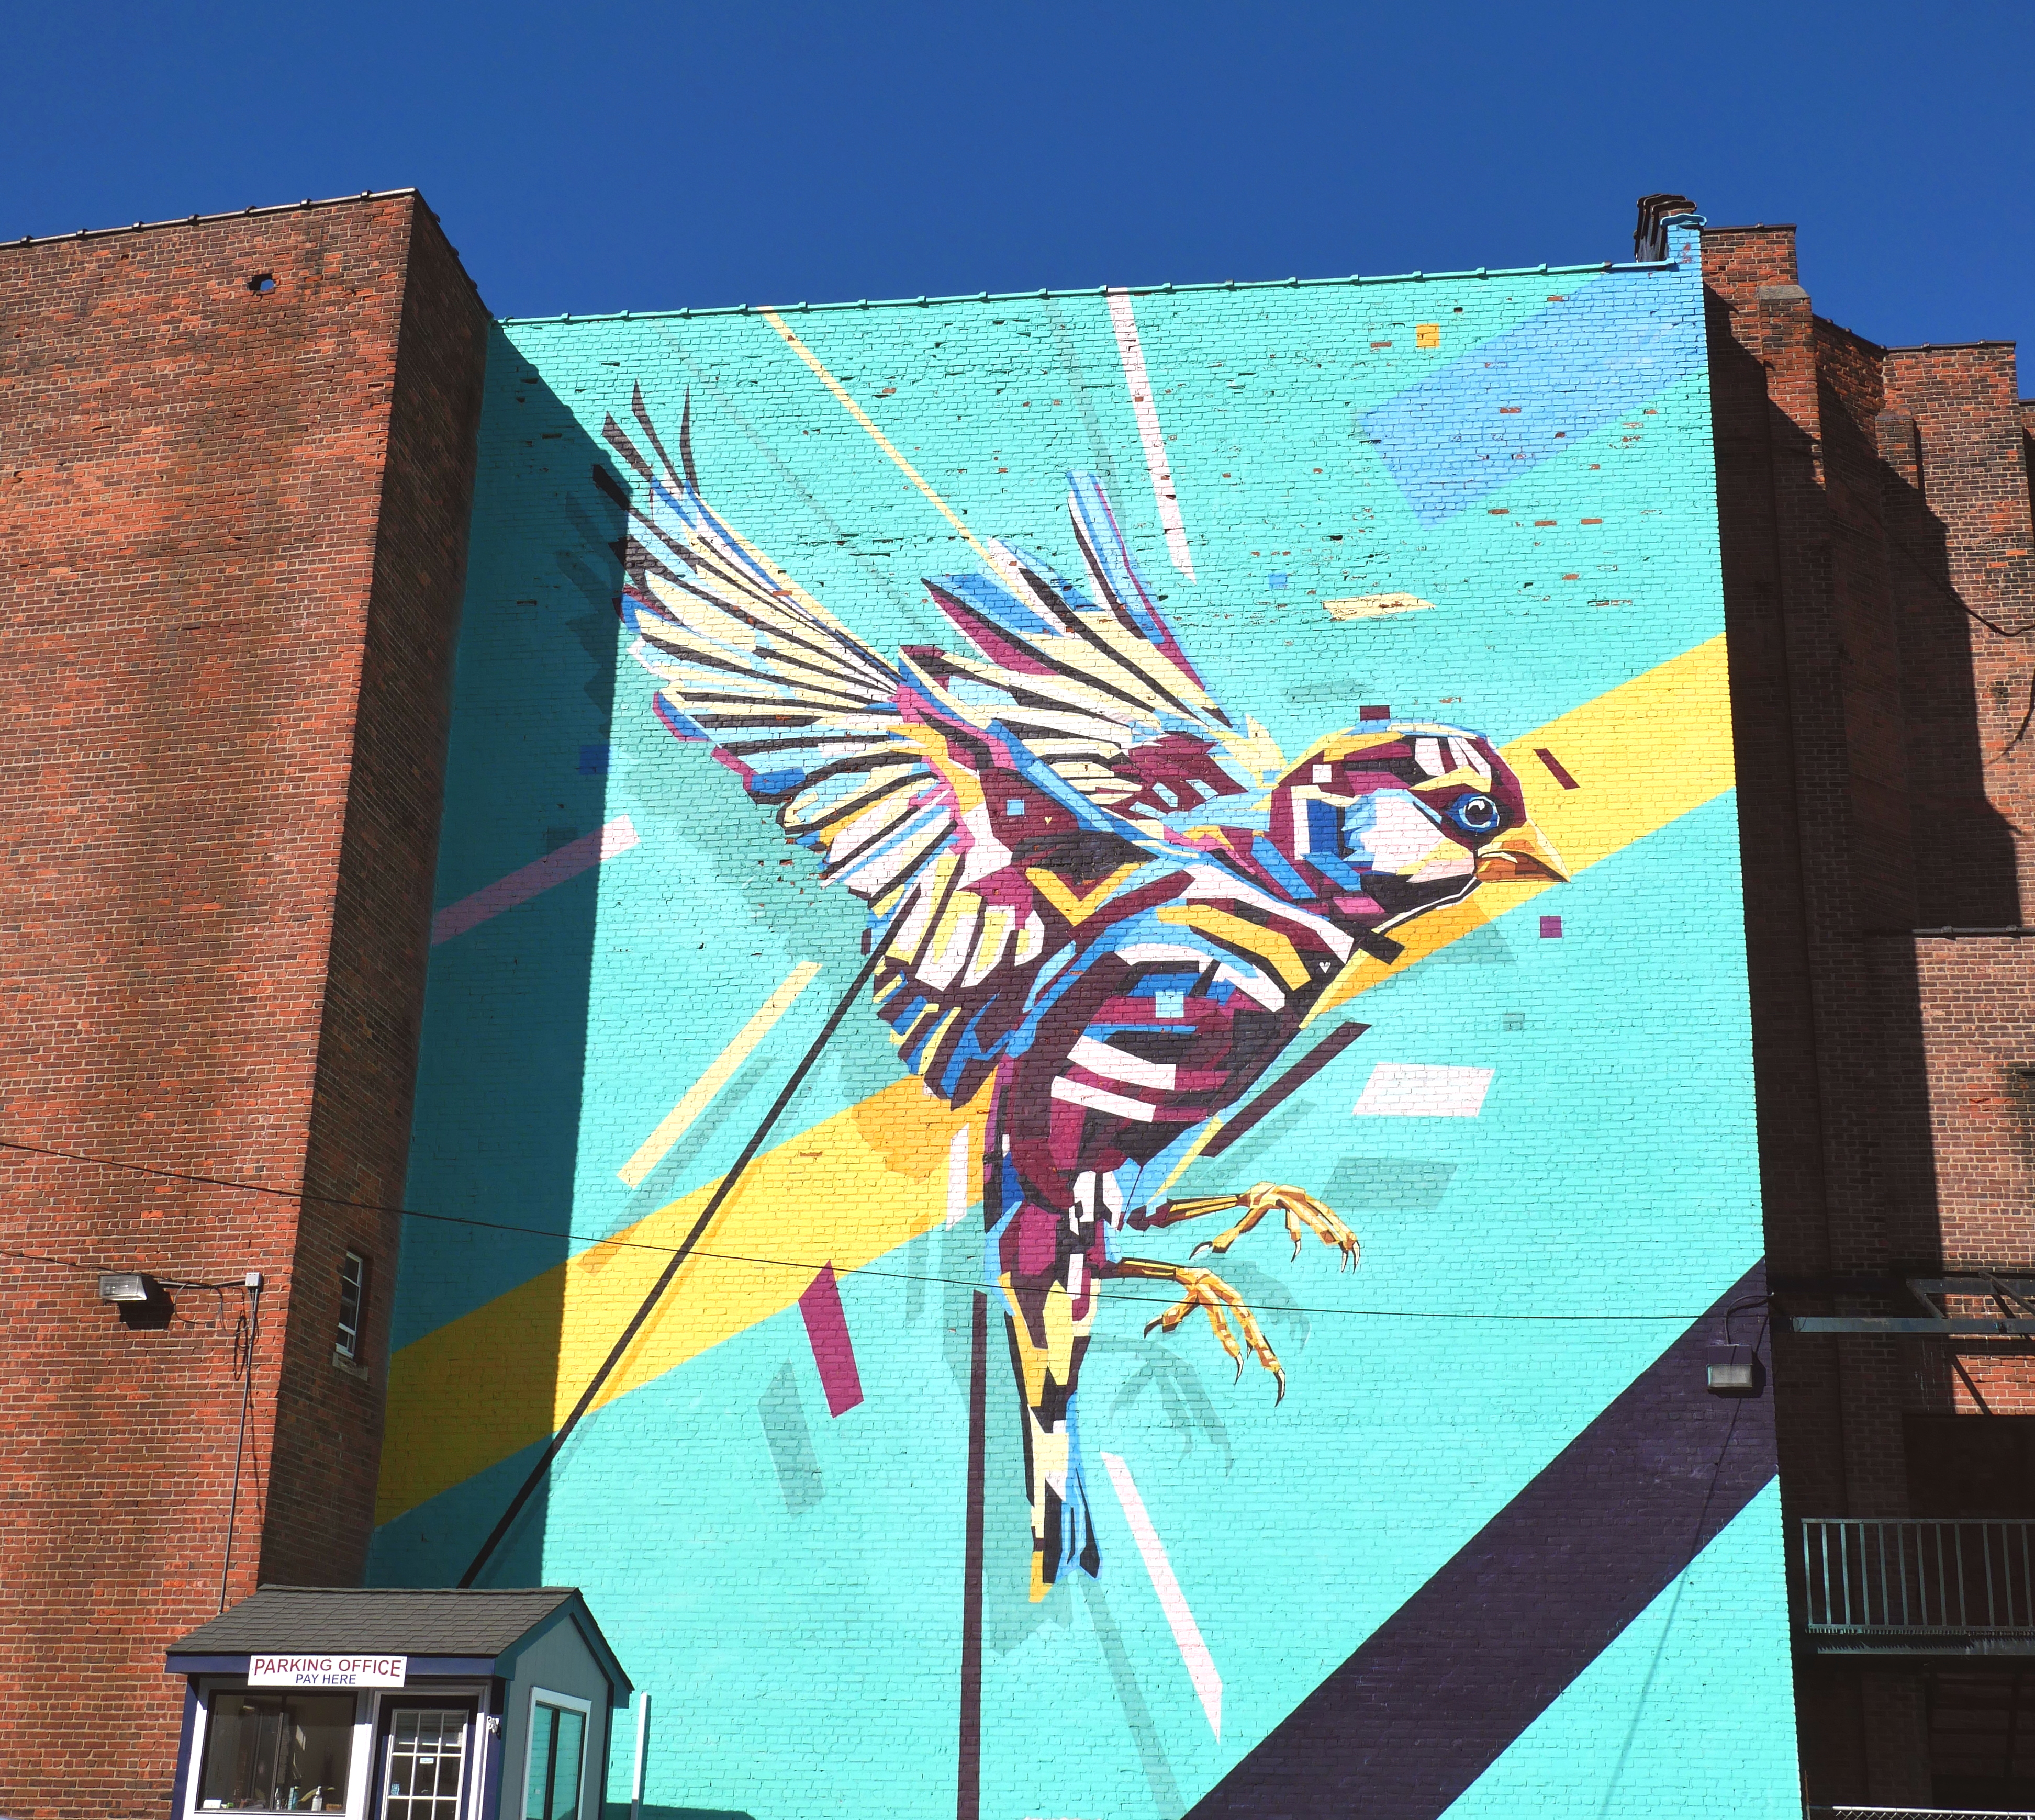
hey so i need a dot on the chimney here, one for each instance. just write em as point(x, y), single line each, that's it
point(1649, 239)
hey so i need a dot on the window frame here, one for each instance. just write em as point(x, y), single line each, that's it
point(425, 1697)
point(359, 1776)
point(347, 1342)
point(562, 1702)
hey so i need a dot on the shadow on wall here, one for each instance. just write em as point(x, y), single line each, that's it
point(1837, 606)
point(1966, 863)
point(500, 1085)
point(1856, 675)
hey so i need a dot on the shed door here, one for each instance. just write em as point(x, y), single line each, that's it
point(426, 1755)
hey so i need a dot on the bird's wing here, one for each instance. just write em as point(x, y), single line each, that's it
point(797, 707)
point(860, 765)
point(1082, 679)
point(896, 777)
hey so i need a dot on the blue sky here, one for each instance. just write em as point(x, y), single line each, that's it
point(601, 155)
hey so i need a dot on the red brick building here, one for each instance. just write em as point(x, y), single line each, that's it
point(233, 520)
point(1879, 574)
point(236, 488)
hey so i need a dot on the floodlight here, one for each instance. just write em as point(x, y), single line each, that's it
point(1733, 1371)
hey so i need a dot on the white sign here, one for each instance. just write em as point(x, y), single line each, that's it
point(327, 1670)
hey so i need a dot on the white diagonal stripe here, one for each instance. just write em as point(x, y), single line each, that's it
point(1172, 1601)
point(957, 1195)
point(1148, 433)
point(1096, 1101)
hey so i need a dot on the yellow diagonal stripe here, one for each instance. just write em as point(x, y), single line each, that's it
point(676, 1123)
point(1642, 754)
point(478, 1388)
point(863, 417)
point(866, 1180)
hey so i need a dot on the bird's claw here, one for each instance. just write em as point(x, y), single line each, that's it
point(1204, 1289)
point(1304, 1214)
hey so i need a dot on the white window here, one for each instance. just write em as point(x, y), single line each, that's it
point(352, 1305)
point(424, 1775)
point(554, 1767)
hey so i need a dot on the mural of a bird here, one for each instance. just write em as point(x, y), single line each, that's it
point(1098, 891)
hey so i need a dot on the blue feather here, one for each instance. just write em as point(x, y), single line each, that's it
point(1112, 553)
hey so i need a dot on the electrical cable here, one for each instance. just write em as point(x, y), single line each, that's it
point(596, 1239)
point(1943, 587)
point(249, 1327)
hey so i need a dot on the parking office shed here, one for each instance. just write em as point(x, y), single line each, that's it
point(397, 1703)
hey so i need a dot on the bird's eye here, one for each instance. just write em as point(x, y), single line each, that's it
point(1477, 815)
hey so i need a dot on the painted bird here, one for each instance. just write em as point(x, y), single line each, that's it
point(1098, 892)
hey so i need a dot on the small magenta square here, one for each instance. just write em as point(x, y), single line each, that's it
point(1551, 928)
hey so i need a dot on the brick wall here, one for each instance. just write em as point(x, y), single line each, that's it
point(1874, 518)
point(231, 529)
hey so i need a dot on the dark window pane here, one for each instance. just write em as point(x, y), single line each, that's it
point(537, 1779)
point(557, 1740)
point(565, 1767)
point(1971, 1466)
point(277, 1753)
point(1982, 1737)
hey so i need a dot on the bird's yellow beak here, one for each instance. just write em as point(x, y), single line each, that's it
point(1517, 855)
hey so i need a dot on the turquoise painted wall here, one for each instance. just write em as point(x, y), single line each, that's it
point(789, 1583)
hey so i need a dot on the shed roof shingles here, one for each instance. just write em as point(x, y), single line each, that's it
point(389, 1620)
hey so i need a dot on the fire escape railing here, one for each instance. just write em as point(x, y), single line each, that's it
point(1918, 1814)
point(1896, 1581)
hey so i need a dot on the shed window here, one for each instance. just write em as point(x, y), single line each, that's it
point(558, 1742)
point(280, 1753)
point(352, 1304)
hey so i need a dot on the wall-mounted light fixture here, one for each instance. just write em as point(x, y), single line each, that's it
point(142, 1301)
point(1733, 1371)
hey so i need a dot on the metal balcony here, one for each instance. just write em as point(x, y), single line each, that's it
point(1918, 1814)
point(1911, 1586)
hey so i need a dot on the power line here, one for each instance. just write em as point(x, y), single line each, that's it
point(204, 1181)
point(593, 1239)
point(678, 1254)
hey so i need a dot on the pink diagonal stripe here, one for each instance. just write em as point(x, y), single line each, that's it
point(826, 1326)
point(526, 882)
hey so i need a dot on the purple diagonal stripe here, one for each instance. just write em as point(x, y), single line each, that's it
point(826, 1326)
point(1436, 1694)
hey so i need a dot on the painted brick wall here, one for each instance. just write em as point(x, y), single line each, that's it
point(231, 574)
point(769, 1503)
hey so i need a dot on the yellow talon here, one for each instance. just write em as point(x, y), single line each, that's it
point(1302, 1211)
point(1207, 1291)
